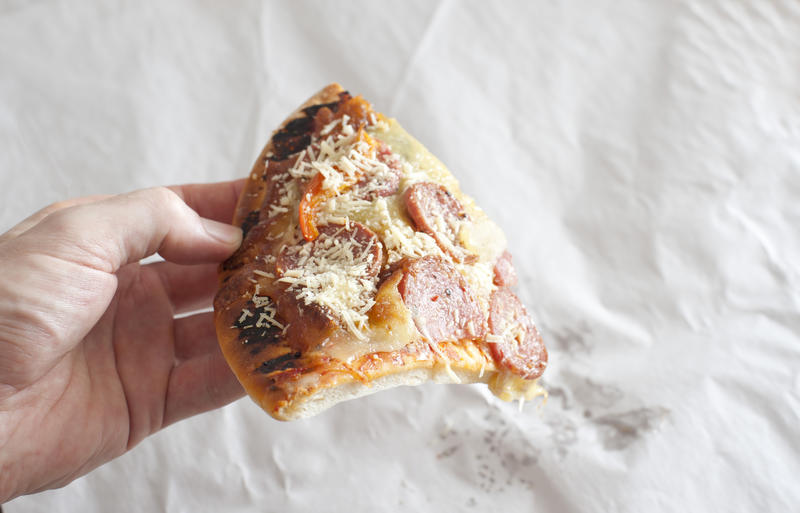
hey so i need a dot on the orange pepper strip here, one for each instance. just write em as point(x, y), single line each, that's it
point(311, 199)
point(315, 195)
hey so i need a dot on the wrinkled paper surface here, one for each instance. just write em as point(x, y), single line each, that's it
point(643, 158)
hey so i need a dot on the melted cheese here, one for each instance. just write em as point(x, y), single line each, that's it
point(510, 387)
point(391, 325)
point(421, 165)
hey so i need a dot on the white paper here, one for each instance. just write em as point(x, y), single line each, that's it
point(643, 158)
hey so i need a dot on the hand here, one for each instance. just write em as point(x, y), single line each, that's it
point(92, 358)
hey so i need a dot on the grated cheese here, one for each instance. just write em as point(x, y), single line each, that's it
point(496, 339)
point(334, 276)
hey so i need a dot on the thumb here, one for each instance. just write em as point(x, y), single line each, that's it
point(108, 234)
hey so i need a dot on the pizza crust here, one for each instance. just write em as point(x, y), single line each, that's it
point(252, 195)
point(313, 402)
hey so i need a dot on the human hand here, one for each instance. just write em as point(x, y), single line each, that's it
point(92, 358)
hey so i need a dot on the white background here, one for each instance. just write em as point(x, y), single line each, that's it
point(643, 157)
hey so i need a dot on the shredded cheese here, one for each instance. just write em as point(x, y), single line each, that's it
point(334, 275)
point(267, 310)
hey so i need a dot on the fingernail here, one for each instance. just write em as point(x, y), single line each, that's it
point(222, 232)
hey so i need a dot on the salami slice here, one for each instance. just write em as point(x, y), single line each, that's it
point(329, 283)
point(438, 213)
point(521, 350)
point(442, 305)
point(383, 181)
point(360, 247)
point(504, 273)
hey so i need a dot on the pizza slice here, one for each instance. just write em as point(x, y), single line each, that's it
point(364, 267)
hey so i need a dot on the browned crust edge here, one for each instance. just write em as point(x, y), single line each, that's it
point(253, 194)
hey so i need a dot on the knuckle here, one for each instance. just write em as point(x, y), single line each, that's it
point(61, 219)
point(58, 205)
point(162, 197)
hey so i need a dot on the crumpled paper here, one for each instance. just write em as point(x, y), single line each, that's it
point(643, 158)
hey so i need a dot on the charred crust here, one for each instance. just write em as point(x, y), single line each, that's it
point(298, 126)
point(255, 338)
point(283, 362)
point(235, 261)
point(312, 111)
point(296, 135)
point(250, 221)
point(287, 144)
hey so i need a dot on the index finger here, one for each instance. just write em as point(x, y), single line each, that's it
point(34, 219)
point(215, 201)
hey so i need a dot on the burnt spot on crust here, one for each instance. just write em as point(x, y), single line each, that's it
point(312, 110)
point(285, 144)
point(250, 221)
point(254, 332)
point(297, 126)
point(296, 135)
point(256, 339)
point(282, 362)
point(235, 261)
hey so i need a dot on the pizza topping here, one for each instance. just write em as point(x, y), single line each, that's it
point(322, 118)
point(282, 192)
point(400, 239)
point(443, 306)
point(265, 309)
point(383, 180)
point(438, 213)
point(510, 387)
point(514, 340)
point(341, 160)
point(312, 197)
point(504, 273)
point(338, 271)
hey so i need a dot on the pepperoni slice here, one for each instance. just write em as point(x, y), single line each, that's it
point(306, 324)
point(384, 183)
point(360, 242)
point(438, 213)
point(441, 303)
point(504, 273)
point(352, 250)
point(522, 350)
